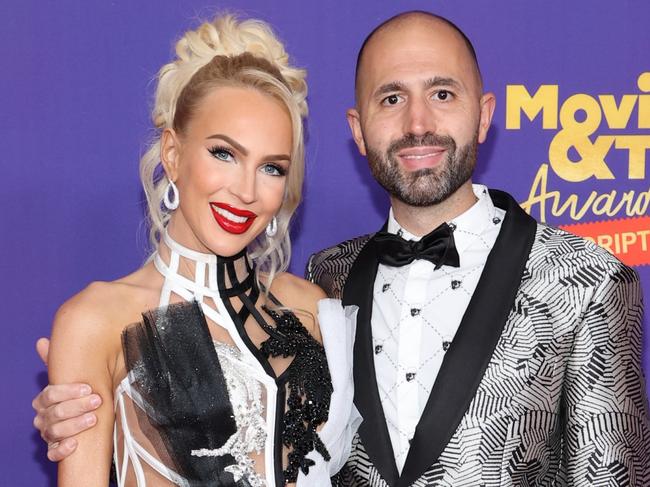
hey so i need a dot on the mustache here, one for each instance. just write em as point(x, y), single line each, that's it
point(428, 138)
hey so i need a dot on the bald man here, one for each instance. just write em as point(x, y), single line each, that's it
point(497, 351)
point(491, 350)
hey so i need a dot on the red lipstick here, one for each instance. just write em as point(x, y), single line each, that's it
point(231, 219)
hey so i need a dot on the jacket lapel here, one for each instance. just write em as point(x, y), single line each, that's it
point(469, 355)
point(358, 291)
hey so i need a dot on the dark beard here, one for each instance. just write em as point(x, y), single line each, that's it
point(429, 186)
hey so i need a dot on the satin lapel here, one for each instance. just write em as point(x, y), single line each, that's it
point(466, 360)
point(358, 290)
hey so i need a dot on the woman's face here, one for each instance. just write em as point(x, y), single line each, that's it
point(230, 166)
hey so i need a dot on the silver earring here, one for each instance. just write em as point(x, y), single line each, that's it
point(171, 204)
point(272, 227)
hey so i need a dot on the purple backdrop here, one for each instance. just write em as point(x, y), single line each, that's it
point(74, 99)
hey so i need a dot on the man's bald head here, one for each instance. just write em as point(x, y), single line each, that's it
point(406, 20)
point(420, 111)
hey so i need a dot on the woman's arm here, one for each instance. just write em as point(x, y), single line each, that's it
point(81, 351)
point(62, 411)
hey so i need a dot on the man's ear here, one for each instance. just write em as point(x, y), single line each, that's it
point(169, 153)
point(355, 127)
point(488, 103)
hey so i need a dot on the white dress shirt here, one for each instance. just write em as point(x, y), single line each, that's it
point(416, 313)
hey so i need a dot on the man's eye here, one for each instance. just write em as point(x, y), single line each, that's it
point(391, 100)
point(443, 95)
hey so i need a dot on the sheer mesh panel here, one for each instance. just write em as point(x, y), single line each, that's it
point(206, 372)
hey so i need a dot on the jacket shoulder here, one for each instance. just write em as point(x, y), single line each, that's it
point(329, 268)
point(570, 256)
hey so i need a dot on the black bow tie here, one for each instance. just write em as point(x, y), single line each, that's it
point(438, 247)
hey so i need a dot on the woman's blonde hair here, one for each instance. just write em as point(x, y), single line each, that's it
point(228, 52)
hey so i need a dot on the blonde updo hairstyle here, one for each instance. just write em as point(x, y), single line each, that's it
point(228, 52)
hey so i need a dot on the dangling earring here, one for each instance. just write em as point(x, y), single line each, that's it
point(272, 227)
point(171, 205)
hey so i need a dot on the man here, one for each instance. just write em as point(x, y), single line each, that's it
point(490, 350)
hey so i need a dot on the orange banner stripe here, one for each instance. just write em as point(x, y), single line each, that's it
point(626, 238)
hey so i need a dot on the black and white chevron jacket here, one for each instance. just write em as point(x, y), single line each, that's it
point(542, 385)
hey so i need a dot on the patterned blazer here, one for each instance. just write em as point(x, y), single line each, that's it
point(542, 384)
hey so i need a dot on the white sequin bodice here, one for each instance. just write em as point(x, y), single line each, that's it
point(246, 398)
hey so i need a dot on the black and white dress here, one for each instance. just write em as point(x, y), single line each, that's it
point(201, 404)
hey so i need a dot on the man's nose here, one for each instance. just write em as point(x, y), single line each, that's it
point(419, 117)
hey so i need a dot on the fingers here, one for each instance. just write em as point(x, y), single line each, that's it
point(43, 348)
point(59, 450)
point(62, 431)
point(61, 413)
point(52, 395)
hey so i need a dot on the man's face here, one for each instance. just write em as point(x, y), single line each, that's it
point(420, 113)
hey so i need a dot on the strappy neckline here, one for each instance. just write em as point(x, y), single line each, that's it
point(227, 292)
point(228, 276)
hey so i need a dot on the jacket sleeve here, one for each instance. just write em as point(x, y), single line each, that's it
point(324, 271)
point(605, 407)
point(309, 269)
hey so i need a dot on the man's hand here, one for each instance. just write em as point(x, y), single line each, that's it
point(62, 411)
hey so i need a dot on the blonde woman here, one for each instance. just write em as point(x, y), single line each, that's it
point(210, 359)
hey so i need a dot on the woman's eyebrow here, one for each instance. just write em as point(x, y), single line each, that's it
point(231, 141)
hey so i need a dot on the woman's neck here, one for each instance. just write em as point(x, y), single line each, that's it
point(210, 271)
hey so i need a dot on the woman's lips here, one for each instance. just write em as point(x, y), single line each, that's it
point(231, 219)
point(421, 157)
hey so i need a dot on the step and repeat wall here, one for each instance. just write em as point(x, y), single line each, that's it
point(569, 140)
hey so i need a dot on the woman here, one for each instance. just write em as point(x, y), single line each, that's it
point(210, 353)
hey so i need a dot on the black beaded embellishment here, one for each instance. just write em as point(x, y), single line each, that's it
point(310, 389)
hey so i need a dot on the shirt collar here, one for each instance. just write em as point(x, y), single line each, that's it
point(468, 225)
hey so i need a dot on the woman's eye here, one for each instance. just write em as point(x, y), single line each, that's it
point(221, 153)
point(273, 170)
point(391, 100)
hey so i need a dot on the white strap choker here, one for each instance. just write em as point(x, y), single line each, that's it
point(210, 273)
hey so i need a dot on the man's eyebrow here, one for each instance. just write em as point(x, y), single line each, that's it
point(231, 141)
point(390, 87)
point(440, 81)
point(434, 82)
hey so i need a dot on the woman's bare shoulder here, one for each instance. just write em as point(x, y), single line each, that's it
point(103, 308)
point(301, 296)
point(293, 291)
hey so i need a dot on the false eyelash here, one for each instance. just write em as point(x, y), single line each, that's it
point(281, 170)
point(219, 148)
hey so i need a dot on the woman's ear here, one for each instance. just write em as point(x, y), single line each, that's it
point(169, 153)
